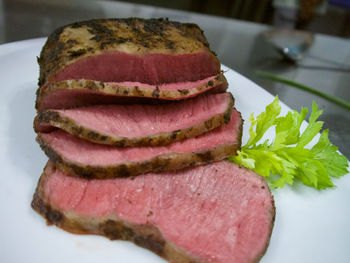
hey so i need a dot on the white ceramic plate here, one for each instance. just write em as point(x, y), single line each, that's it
point(310, 226)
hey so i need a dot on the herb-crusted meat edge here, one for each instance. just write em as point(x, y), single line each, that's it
point(59, 120)
point(138, 35)
point(160, 163)
point(146, 236)
point(217, 84)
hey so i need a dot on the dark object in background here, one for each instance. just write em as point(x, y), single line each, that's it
point(342, 3)
point(335, 20)
point(307, 10)
point(250, 10)
point(291, 44)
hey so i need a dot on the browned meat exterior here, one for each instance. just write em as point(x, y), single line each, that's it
point(166, 162)
point(79, 93)
point(233, 204)
point(145, 235)
point(81, 158)
point(140, 125)
point(140, 37)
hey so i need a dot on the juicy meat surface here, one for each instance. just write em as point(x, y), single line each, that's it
point(218, 212)
point(79, 93)
point(150, 68)
point(152, 51)
point(91, 160)
point(140, 125)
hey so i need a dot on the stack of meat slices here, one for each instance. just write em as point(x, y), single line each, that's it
point(145, 100)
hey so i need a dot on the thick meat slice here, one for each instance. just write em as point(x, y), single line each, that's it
point(140, 125)
point(152, 51)
point(78, 93)
point(82, 158)
point(218, 212)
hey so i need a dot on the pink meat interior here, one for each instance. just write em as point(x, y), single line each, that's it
point(219, 212)
point(69, 98)
point(113, 66)
point(142, 120)
point(87, 153)
point(166, 86)
point(66, 98)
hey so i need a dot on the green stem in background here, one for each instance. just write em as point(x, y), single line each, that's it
point(343, 103)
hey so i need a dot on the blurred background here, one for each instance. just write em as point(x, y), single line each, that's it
point(236, 31)
point(330, 17)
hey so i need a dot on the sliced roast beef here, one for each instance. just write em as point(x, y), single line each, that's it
point(217, 213)
point(78, 93)
point(82, 158)
point(152, 51)
point(140, 125)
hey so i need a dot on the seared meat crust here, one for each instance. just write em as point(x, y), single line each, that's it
point(133, 94)
point(59, 120)
point(160, 163)
point(146, 236)
point(137, 36)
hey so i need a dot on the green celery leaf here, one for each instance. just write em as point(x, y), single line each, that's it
point(286, 159)
point(265, 161)
point(335, 163)
point(288, 128)
point(242, 159)
point(263, 122)
point(313, 128)
point(313, 173)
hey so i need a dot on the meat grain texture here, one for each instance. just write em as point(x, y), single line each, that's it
point(84, 92)
point(217, 212)
point(140, 125)
point(78, 157)
point(126, 57)
point(186, 203)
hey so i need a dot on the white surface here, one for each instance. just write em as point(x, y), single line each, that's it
point(310, 226)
